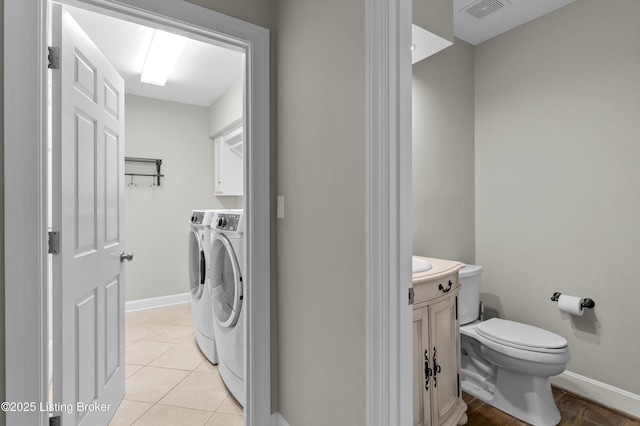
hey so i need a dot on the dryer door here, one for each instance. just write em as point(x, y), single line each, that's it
point(197, 264)
point(226, 281)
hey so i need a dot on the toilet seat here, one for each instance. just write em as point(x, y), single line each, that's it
point(521, 336)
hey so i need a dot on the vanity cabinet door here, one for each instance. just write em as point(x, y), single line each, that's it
point(421, 387)
point(445, 349)
point(436, 355)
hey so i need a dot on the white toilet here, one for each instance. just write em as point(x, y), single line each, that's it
point(505, 363)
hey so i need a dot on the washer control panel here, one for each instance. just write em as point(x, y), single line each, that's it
point(228, 222)
point(197, 217)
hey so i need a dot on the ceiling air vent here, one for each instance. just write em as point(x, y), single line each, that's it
point(484, 8)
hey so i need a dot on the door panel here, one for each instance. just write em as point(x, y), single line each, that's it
point(112, 194)
point(88, 209)
point(444, 335)
point(86, 322)
point(85, 76)
point(421, 389)
point(85, 182)
point(112, 335)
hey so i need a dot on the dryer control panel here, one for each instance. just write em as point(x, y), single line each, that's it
point(228, 222)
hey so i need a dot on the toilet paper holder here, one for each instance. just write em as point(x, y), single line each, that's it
point(586, 302)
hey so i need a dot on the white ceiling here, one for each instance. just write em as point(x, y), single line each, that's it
point(204, 71)
point(508, 14)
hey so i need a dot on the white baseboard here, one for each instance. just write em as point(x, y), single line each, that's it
point(610, 396)
point(278, 420)
point(157, 302)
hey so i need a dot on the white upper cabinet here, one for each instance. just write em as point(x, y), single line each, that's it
point(229, 164)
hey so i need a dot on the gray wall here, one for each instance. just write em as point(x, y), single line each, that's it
point(227, 110)
point(157, 216)
point(321, 240)
point(443, 155)
point(259, 12)
point(557, 172)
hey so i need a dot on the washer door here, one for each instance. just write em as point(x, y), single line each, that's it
point(197, 264)
point(226, 281)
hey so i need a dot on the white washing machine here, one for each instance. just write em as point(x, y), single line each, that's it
point(201, 309)
point(227, 296)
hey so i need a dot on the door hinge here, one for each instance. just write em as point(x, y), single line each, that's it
point(54, 242)
point(54, 421)
point(411, 295)
point(54, 58)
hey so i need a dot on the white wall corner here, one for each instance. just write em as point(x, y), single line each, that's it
point(156, 302)
point(610, 396)
point(278, 420)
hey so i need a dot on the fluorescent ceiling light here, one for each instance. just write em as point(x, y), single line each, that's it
point(164, 51)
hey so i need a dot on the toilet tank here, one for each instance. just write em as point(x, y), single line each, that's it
point(469, 296)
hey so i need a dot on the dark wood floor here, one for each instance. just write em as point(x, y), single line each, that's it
point(575, 411)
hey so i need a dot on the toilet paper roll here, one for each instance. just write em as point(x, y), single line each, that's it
point(570, 304)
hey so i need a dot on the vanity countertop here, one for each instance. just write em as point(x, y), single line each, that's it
point(440, 268)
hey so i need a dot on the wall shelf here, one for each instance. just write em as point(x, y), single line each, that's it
point(158, 163)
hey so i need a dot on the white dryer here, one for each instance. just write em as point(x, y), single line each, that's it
point(227, 296)
point(201, 309)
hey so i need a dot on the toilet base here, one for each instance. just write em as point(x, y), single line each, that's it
point(526, 397)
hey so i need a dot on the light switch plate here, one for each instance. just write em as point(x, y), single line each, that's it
point(280, 212)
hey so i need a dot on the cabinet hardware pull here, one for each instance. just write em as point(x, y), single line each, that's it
point(445, 290)
point(436, 369)
point(427, 370)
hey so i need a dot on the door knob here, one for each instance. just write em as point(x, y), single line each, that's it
point(127, 256)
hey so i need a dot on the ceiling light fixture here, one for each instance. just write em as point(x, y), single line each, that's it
point(163, 54)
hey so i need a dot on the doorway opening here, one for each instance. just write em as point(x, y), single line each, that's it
point(31, 203)
point(169, 166)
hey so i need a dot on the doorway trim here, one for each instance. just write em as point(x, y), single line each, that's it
point(25, 149)
point(389, 393)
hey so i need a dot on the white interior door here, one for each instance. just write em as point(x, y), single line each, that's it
point(88, 212)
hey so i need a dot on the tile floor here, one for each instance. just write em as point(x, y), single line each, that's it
point(168, 380)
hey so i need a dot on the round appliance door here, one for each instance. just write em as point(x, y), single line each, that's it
point(226, 281)
point(197, 264)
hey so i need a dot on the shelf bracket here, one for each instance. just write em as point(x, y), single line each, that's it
point(157, 161)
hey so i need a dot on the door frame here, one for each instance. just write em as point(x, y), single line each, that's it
point(25, 97)
point(389, 391)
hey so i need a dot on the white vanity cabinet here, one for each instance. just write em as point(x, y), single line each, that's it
point(437, 396)
point(229, 163)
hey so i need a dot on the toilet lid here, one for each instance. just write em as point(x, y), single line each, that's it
point(522, 336)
